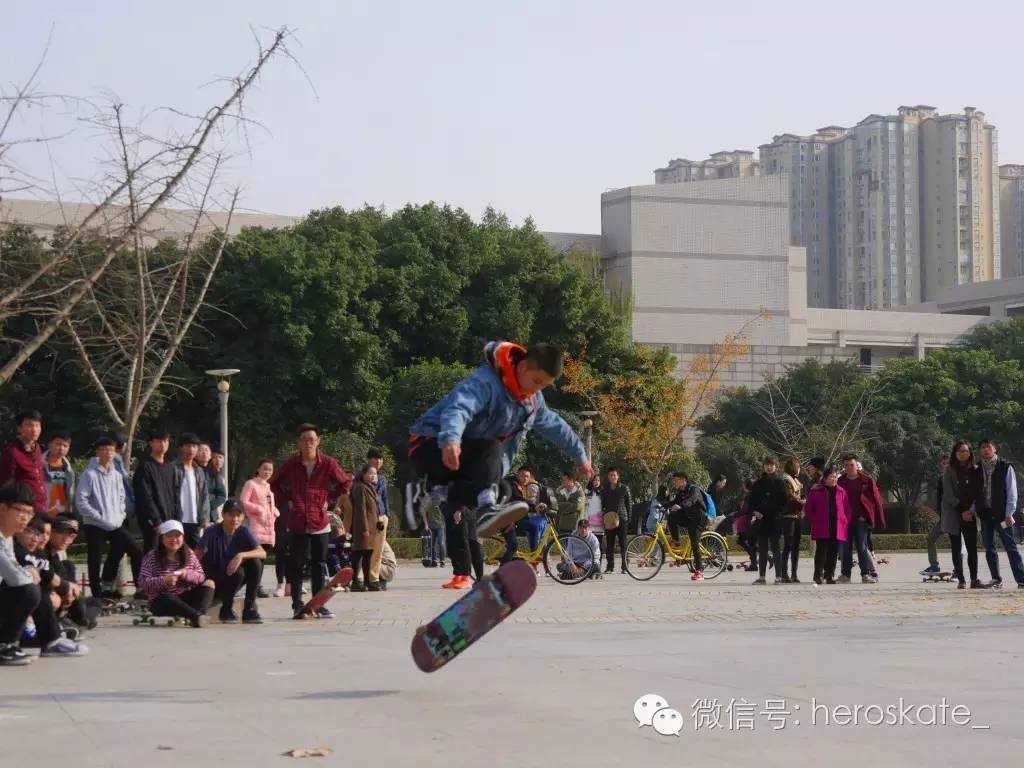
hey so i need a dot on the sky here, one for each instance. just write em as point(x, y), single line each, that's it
point(533, 108)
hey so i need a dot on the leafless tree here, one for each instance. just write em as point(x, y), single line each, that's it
point(109, 287)
point(804, 433)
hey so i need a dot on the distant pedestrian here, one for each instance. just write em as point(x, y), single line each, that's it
point(154, 487)
point(867, 512)
point(616, 507)
point(792, 519)
point(996, 501)
point(936, 529)
point(767, 503)
point(191, 492)
point(957, 517)
point(828, 511)
point(364, 527)
point(261, 513)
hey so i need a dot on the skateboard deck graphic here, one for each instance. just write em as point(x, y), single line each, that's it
point(486, 605)
point(426, 550)
point(341, 579)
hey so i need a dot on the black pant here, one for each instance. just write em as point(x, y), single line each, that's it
point(193, 531)
point(16, 605)
point(281, 549)
point(249, 574)
point(791, 543)
point(749, 544)
point(610, 537)
point(187, 605)
point(313, 546)
point(463, 545)
point(84, 612)
point(826, 553)
point(148, 530)
point(768, 537)
point(121, 543)
point(361, 561)
point(45, 618)
point(479, 468)
point(694, 528)
point(969, 534)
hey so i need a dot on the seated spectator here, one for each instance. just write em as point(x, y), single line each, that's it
point(19, 586)
point(102, 503)
point(75, 606)
point(173, 579)
point(580, 559)
point(261, 512)
point(230, 556)
point(29, 551)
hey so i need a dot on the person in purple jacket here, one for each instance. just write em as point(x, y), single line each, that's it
point(828, 511)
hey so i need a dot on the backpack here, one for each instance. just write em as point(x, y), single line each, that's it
point(710, 504)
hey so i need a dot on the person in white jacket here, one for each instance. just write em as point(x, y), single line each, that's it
point(101, 501)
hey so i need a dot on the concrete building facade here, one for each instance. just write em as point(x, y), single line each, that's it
point(735, 164)
point(707, 259)
point(1011, 219)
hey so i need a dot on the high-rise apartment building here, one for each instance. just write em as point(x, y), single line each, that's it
point(893, 211)
point(959, 201)
point(1011, 219)
point(738, 163)
point(806, 159)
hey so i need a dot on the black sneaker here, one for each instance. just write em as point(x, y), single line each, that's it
point(963, 585)
point(977, 584)
point(829, 580)
point(357, 586)
point(794, 580)
point(228, 616)
point(492, 518)
point(198, 621)
point(995, 584)
point(251, 616)
point(13, 656)
point(299, 613)
point(324, 612)
point(262, 592)
point(383, 585)
point(373, 586)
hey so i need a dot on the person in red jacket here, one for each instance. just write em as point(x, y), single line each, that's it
point(309, 483)
point(866, 512)
point(22, 458)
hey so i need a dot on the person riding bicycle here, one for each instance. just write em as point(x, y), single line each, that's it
point(468, 439)
point(686, 506)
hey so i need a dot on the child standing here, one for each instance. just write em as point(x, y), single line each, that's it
point(261, 516)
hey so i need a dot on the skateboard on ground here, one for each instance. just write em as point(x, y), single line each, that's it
point(486, 605)
point(147, 619)
point(426, 550)
point(341, 580)
point(943, 576)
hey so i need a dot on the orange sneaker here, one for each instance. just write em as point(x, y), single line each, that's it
point(463, 582)
point(451, 584)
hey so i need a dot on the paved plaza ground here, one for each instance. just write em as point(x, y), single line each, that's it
point(554, 685)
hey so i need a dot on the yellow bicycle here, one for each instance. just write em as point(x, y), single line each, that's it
point(646, 553)
point(567, 559)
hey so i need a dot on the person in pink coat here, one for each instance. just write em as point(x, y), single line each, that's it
point(261, 513)
point(828, 511)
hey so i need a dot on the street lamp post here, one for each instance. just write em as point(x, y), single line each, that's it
point(223, 392)
point(588, 427)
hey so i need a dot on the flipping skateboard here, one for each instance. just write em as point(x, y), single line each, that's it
point(486, 605)
point(341, 580)
point(944, 576)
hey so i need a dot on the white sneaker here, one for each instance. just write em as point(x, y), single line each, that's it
point(868, 580)
point(65, 647)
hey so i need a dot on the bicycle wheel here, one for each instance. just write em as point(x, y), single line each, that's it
point(569, 559)
point(493, 549)
point(714, 552)
point(644, 557)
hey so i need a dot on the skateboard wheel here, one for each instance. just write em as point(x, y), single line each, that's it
point(152, 622)
point(136, 622)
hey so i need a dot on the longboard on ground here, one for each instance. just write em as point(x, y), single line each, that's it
point(487, 604)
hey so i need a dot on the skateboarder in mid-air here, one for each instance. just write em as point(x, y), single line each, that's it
point(468, 440)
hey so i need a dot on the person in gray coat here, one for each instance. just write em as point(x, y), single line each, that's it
point(957, 516)
point(102, 503)
point(191, 490)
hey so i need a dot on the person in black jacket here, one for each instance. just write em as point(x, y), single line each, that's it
point(686, 506)
point(153, 486)
point(995, 503)
point(615, 497)
point(767, 503)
